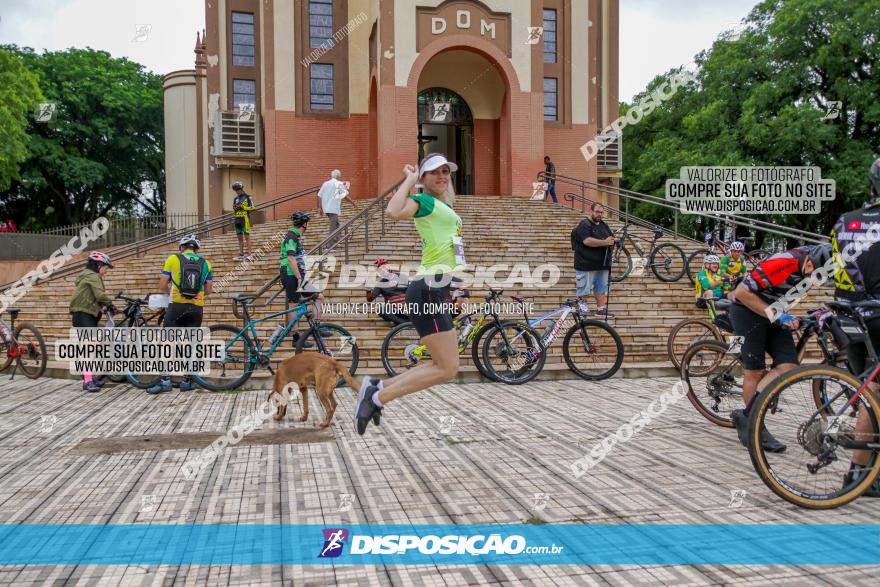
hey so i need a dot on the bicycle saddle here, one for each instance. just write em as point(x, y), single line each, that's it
point(244, 299)
point(13, 312)
point(746, 240)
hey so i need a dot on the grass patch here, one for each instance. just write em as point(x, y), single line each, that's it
point(535, 520)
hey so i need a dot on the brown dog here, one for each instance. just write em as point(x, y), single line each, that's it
point(310, 368)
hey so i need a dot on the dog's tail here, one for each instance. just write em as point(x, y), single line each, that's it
point(349, 380)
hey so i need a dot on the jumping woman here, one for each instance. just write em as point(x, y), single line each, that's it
point(442, 253)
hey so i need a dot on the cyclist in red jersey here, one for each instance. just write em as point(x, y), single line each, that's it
point(763, 286)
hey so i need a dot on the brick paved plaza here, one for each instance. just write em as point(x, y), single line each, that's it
point(457, 454)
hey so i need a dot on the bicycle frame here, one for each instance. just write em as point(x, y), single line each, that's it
point(421, 351)
point(551, 336)
point(250, 326)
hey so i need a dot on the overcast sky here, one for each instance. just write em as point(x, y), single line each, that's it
point(655, 35)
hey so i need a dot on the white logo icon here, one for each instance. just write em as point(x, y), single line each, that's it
point(733, 31)
point(345, 502)
point(535, 34)
point(736, 497)
point(446, 424)
point(539, 189)
point(141, 32)
point(148, 503)
point(46, 112)
point(540, 501)
point(833, 110)
point(342, 189)
point(47, 423)
point(735, 345)
point(245, 112)
point(440, 111)
point(639, 266)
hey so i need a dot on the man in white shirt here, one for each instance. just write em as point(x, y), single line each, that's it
point(330, 197)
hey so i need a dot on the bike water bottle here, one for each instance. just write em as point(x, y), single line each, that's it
point(465, 331)
point(275, 334)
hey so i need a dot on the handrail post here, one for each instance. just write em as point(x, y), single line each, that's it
point(347, 234)
point(675, 221)
point(583, 199)
point(367, 233)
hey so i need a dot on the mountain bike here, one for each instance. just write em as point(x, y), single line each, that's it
point(246, 351)
point(689, 330)
point(133, 317)
point(713, 370)
point(592, 349)
point(23, 345)
point(667, 260)
point(402, 348)
point(821, 438)
point(716, 246)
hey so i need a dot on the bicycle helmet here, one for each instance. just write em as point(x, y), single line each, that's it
point(819, 255)
point(875, 178)
point(191, 240)
point(299, 218)
point(711, 259)
point(380, 261)
point(737, 246)
point(100, 257)
point(238, 186)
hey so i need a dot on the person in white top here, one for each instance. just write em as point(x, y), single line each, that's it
point(330, 197)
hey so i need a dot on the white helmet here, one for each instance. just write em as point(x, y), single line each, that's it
point(737, 246)
point(191, 240)
point(711, 259)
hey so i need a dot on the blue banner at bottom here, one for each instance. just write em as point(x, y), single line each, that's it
point(617, 544)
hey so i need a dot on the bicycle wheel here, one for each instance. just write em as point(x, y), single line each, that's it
point(668, 262)
point(686, 332)
point(592, 350)
point(236, 367)
point(515, 348)
point(810, 473)
point(402, 349)
point(695, 263)
point(714, 380)
point(32, 361)
point(334, 341)
point(756, 256)
point(621, 264)
point(475, 352)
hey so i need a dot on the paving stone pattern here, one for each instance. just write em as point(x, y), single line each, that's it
point(455, 454)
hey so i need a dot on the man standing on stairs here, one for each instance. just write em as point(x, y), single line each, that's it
point(591, 241)
point(241, 207)
point(330, 197)
point(189, 276)
point(550, 177)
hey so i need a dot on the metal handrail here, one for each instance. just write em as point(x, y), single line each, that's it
point(627, 195)
point(147, 244)
point(341, 235)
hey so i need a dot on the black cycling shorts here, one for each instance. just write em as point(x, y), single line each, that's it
point(291, 285)
point(183, 316)
point(83, 320)
point(760, 337)
point(420, 296)
point(857, 352)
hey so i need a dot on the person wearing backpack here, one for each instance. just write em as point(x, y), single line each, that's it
point(189, 276)
point(591, 242)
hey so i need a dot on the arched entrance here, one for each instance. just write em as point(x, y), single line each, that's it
point(446, 125)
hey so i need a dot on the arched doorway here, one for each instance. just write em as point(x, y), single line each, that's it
point(446, 125)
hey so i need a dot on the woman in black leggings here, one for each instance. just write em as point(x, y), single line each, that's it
point(88, 298)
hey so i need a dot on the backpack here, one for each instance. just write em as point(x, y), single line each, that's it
point(192, 276)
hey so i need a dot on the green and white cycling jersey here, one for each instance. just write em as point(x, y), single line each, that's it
point(440, 230)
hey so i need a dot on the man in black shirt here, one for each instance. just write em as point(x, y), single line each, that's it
point(550, 175)
point(591, 242)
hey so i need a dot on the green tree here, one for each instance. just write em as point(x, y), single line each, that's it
point(19, 95)
point(760, 99)
point(105, 142)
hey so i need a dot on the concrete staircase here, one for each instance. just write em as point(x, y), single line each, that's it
point(496, 230)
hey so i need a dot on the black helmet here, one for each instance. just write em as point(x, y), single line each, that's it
point(299, 218)
point(819, 255)
point(238, 186)
point(875, 178)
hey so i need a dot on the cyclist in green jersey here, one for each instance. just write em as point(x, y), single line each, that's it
point(733, 263)
point(427, 294)
point(710, 284)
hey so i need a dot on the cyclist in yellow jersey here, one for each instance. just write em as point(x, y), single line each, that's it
point(241, 207)
point(733, 263)
point(189, 276)
point(442, 253)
